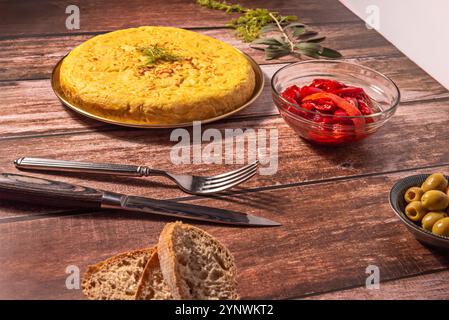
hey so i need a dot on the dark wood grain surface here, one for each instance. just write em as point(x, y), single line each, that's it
point(427, 286)
point(30, 17)
point(332, 203)
point(321, 251)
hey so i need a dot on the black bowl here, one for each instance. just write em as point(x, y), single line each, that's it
point(398, 204)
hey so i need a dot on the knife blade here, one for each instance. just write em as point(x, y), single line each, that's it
point(43, 191)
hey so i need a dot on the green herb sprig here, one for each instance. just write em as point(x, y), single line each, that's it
point(287, 37)
point(292, 39)
point(250, 23)
point(221, 5)
point(156, 54)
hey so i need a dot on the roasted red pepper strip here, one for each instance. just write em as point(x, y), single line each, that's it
point(350, 109)
point(307, 91)
point(349, 91)
point(326, 84)
point(291, 94)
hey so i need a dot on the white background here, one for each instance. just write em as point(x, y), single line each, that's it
point(419, 28)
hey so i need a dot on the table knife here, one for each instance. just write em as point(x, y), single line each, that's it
point(47, 192)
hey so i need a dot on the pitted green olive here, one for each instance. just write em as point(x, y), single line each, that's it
point(435, 200)
point(413, 194)
point(415, 211)
point(435, 181)
point(441, 227)
point(431, 218)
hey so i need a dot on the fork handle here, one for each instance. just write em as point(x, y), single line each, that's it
point(85, 167)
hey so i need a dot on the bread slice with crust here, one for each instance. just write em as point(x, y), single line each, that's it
point(116, 278)
point(152, 285)
point(195, 265)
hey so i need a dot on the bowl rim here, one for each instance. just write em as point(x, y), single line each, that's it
point(324, 61)
point(404, 219)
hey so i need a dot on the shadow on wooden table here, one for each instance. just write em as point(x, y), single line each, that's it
point(121, 215)
point(345, 156)
point(120, 133)
point(442, 255)
point(259, 200)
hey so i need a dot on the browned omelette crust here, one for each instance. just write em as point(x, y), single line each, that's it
point(108, 77)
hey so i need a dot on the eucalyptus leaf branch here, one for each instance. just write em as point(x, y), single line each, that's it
point(287, 38)
point(292, 38)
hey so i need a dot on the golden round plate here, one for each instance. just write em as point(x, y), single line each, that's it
point(60, 94)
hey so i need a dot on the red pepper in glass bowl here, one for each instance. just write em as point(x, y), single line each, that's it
point(333, 102)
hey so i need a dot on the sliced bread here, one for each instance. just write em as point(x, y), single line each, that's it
point(116, 278)
point(195, 265)
point(152, 285)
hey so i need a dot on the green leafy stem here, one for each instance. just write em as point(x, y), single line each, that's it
point(290, 37)
point(156, 54)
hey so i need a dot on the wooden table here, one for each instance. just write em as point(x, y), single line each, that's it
point(332, 202)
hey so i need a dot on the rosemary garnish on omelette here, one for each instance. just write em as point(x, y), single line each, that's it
point(155, 54)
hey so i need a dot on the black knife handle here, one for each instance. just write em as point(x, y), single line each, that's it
point(47, 192)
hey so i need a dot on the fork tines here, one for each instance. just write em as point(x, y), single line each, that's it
point(229, 179)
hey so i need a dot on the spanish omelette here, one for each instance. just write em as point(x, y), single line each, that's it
point(110, 76)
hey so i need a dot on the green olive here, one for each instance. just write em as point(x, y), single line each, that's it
point(441, 227)
point(413, 194)
point(430, 218)
point(435, 200)
point(415, 211)
point(435, 181)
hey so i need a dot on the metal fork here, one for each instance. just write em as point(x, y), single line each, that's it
point(191, 184)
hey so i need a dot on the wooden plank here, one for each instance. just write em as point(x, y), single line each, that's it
point(26, 58)
point(48, 17)
point(325, 243)
point(433, 286)
point(403, 144)
point(30, 107)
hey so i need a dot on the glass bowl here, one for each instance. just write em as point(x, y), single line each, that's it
point(381, 89)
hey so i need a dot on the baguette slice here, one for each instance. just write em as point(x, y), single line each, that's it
point(195, 265)
point(116, 278)
point(152, 285)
